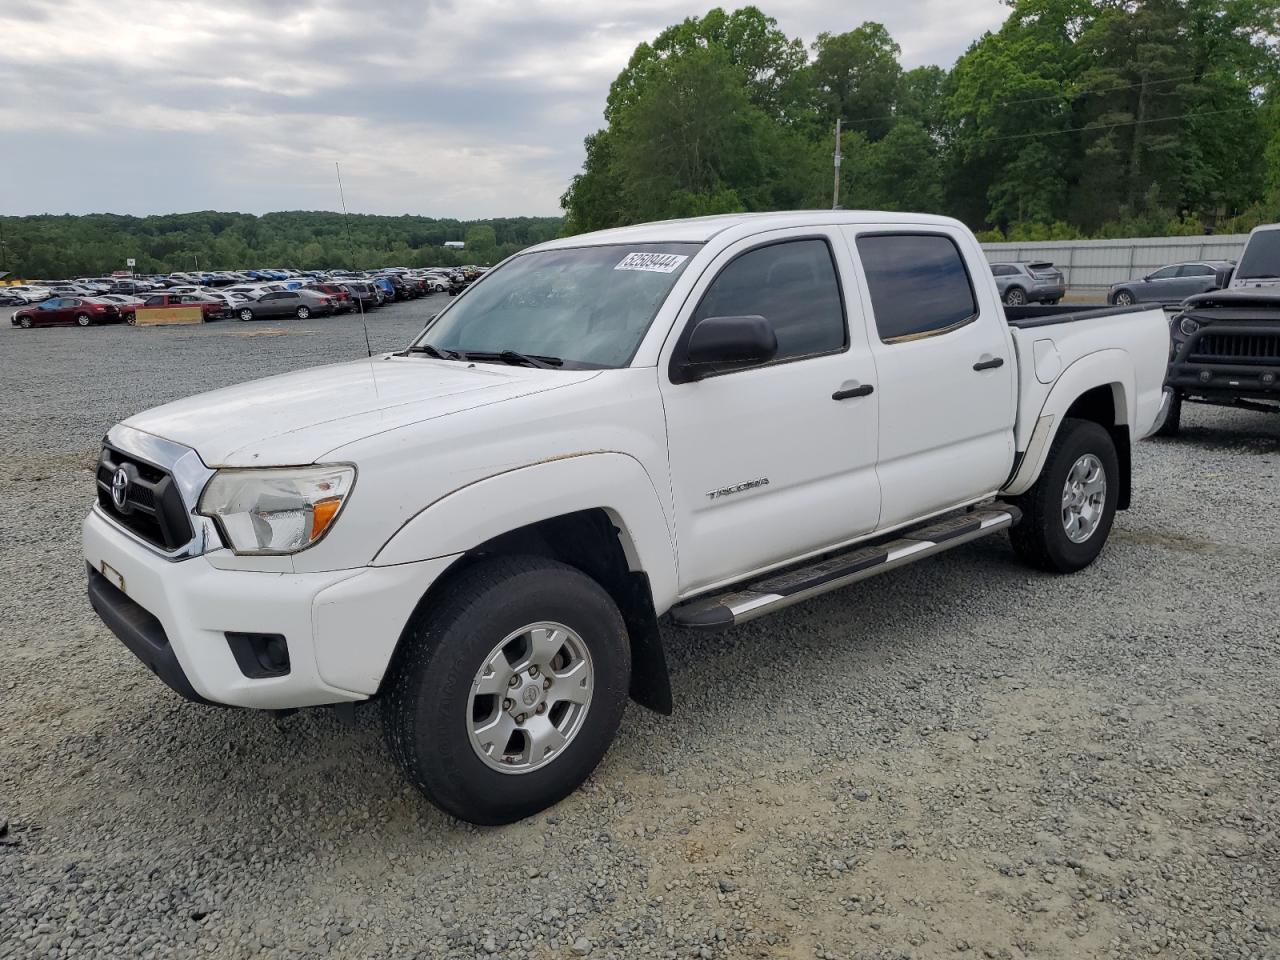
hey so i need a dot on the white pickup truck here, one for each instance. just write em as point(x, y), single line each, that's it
point(710, 419)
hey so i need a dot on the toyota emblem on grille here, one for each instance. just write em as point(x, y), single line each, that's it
point(120, 488)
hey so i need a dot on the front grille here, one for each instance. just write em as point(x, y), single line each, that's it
point(153, 507)
point(1261, 348)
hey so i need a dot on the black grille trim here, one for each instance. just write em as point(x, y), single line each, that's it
point(154, 509)
point(1260, 348)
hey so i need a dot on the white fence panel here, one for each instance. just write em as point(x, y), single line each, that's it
point(1097, 264)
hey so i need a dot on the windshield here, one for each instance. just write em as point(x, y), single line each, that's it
point(589, 306)
point(1261, 259)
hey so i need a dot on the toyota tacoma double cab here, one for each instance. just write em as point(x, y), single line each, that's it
point(702, 420)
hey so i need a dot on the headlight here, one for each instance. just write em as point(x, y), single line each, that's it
point(1188, 326)
point(276, 510)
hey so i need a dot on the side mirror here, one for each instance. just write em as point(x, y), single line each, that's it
point(737, 341)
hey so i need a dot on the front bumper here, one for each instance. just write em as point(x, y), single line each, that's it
point(1197, 370)
point(341, 626)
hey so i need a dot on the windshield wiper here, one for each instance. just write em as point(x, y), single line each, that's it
point(431, 350)
point(516, 358)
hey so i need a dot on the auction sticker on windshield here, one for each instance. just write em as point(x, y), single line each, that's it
point(652, 262)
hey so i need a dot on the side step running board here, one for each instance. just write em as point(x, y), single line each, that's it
point(781, 590)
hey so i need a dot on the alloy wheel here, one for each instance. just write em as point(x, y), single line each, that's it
point(530, 697)
point(1084, 497)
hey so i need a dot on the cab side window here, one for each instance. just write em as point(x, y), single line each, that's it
point(791, 284)
point(919, 284)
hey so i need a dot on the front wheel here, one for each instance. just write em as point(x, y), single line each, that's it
point(131, 319)
point(1067, 514)
point(245, 314)
point(1015, 297)
point(1124, 299)
point(24, 322)
point(507, 692)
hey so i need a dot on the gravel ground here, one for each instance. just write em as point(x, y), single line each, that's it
point(961, 758)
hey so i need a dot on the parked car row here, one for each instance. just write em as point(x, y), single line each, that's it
point(88, 301)
point(1038, 281)
point(389, 283)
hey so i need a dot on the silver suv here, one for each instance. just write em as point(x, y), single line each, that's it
point(1022, 282)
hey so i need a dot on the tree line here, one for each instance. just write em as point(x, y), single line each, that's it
point(1077, 118)
point(55, 247)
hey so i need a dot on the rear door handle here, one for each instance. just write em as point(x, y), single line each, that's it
point(989, 363)
point(848, 392)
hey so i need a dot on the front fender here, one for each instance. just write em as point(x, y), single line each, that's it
point(488, 508)
point(1105, 368)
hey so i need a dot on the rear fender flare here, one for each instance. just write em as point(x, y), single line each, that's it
point(1106, 368)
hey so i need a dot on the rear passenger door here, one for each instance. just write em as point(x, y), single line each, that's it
point(1196, 278)
point(774, 461)
point(947, 377)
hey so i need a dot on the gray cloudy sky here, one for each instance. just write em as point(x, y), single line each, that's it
point(472, 108)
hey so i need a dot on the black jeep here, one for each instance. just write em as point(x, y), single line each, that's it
point(1226, 351)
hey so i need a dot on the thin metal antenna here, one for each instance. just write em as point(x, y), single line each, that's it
point(351, 252)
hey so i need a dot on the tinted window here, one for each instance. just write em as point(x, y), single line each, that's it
point(918, 284)
point(1164, 273)
point(1196, 270)
point(793, 285)
point(1261, 260)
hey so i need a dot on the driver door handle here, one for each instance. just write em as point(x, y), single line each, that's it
point(853, 389)
point(989, 362)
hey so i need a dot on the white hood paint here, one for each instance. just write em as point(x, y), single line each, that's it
point(270, 422)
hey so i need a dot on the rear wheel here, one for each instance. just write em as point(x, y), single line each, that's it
point(508, 691)
point(131, 319)
point(1067, 515)
point(302, 313)
point(1015, 297)
point(83, 319)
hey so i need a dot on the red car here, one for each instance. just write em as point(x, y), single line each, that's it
point(341, 295)
point(213, 309)
point(80, 311)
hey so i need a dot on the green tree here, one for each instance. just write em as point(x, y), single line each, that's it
point(856, 76)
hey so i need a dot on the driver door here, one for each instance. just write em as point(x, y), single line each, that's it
point(775, 461)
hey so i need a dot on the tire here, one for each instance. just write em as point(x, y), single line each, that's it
point(1054, 302)
point(1124, 298)
point(1173, 422)
point(24, 323)
point(131, 319)
point(1015, 297)
point(83, 319)
point(1041, 539)
point(302, 313)
point(245, 314)
point(430, 707)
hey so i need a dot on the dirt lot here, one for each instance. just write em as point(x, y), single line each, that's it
point(962, 758)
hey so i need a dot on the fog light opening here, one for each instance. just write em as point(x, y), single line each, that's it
point(260, 655)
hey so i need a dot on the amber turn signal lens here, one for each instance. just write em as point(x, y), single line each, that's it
point(322, 514)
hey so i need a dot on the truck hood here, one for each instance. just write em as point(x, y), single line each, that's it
point(297, 418)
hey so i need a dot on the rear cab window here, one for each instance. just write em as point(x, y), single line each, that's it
point(919, 284)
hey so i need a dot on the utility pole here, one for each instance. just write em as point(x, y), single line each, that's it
point(835, 189)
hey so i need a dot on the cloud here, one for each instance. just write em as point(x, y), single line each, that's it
point(443, 107)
